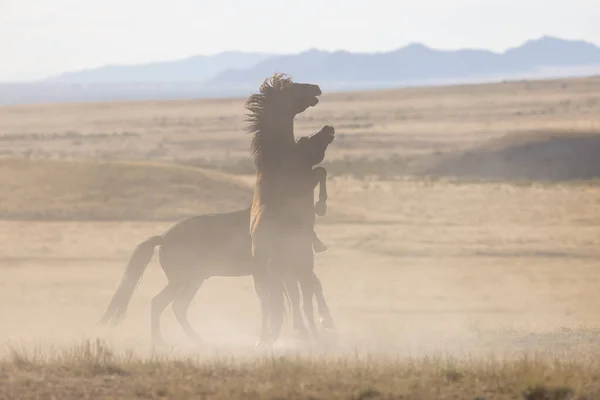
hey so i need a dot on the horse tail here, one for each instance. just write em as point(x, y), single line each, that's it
point(138, 262)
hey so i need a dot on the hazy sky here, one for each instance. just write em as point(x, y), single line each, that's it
point(39, 38)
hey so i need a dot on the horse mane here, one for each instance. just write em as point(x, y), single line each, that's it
point(257, 107)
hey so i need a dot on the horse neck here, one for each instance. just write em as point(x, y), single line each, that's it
point(276, 140)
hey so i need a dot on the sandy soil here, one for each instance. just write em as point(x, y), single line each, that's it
point(435, 267)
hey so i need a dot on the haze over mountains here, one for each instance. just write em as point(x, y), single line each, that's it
point(238, 73)
point(193, 69)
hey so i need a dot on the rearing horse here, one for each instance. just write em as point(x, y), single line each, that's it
point(283, 210)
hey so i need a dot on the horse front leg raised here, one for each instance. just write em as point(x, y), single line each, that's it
point(320, 175)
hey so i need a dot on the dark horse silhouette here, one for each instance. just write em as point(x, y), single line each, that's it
point(204, 246)
point(283, 210)
point(201, 247)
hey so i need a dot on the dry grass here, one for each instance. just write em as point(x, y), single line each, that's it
point(83, 190)
point(93, 371)
point(393, 132)
point(500, 279)
point(439, 288)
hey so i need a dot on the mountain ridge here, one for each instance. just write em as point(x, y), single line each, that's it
point(195, 69)
point(410, 62)
point(236, 73)
point(417, 61)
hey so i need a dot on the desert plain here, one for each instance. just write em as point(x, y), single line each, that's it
point(463, 233)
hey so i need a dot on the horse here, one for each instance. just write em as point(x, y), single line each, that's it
point(201, 247)
point(283, 210)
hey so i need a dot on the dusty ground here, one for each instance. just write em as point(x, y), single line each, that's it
point(459, 270)
point(442, 266)
point(416, 267)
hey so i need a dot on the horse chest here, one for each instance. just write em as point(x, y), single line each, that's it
point(283, 187)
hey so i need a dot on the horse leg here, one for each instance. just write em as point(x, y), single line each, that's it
point(320, 176)
point(276, 290)
point(318, 246)
point(266, 255)
point(263, 297)
point(291, 285)
point(157, 306)
point(277, 305)
point(326, 319)
point(264, 289)
point(181, 304)
point(305, 276)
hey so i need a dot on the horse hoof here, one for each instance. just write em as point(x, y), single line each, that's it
point(321, 208)
point(319, 247)
point(329, 131)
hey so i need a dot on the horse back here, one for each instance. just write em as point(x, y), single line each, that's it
point(218, 238)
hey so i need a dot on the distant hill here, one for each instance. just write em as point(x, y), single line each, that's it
point(237, 74)
point(83, 190)
point(192, 69)
point(419, 63)
point(543, 156)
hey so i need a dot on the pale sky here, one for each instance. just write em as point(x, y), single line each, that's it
point(39, 38)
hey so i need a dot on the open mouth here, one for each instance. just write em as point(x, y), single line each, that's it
point(305, 102)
